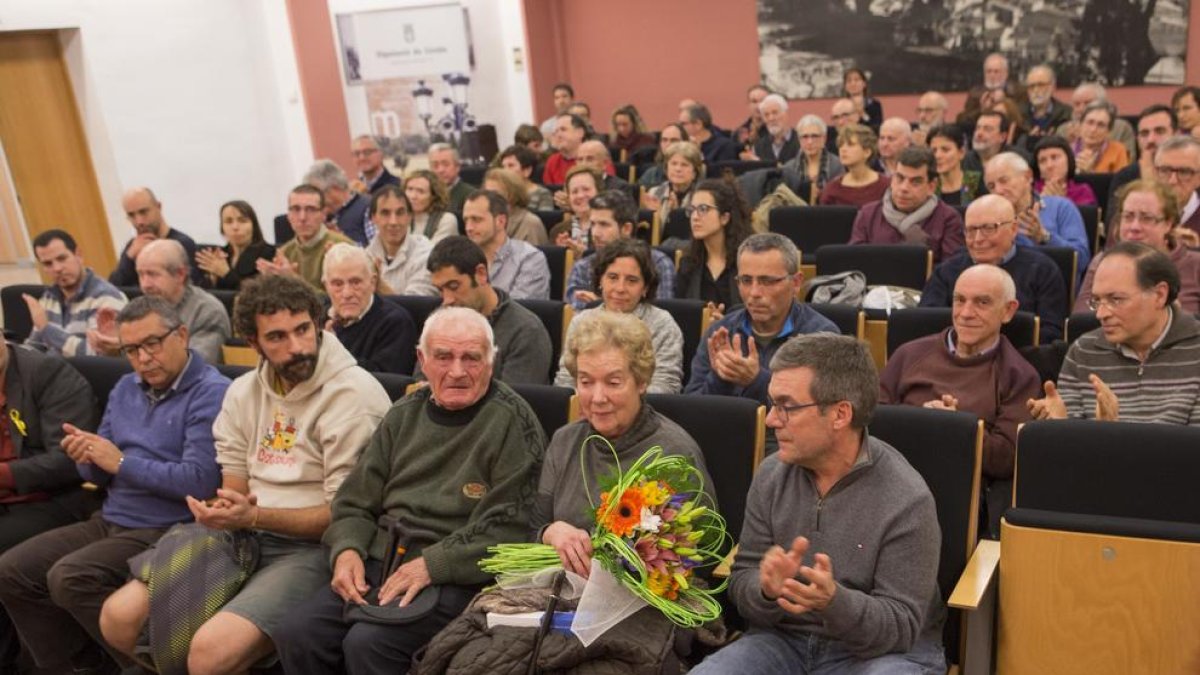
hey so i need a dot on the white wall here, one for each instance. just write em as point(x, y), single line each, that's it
point(499, 93)
point(198, 99)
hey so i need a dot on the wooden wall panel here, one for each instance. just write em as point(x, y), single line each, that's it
point(46, 147)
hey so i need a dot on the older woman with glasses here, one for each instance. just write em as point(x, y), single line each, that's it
point(685, 166)
point(670, 135)
point(1147, 212)
point(625, 278)
point(610, 359)
point(815, 166)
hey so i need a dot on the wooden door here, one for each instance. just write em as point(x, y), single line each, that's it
point(47, 151)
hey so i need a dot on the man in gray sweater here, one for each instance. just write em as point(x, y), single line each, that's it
point(837, 566)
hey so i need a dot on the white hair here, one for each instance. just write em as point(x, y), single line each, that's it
point(1045, 67)
point(811, 120)
point(443, 317)
point(1096, 88)
point(1178, 143)
point(340, 253)
point(773, 98)
point(937, 96)
point(445, 147)
point(1010, 160)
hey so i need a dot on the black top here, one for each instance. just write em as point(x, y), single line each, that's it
point(245, 267)
point(383, 340)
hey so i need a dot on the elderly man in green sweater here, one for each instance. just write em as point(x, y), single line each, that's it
point(457, 465)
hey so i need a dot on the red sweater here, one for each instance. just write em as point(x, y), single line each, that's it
point(994, 385)
point(835, 193)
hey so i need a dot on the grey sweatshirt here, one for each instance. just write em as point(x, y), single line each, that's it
point(879, 527)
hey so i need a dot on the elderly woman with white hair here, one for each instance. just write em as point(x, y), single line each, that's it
point(815, 165)
point(378, 332)
point(610, 358)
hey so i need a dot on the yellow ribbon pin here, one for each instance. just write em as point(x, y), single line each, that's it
point(15, 416)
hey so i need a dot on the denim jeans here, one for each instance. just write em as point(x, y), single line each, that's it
point(770, 652)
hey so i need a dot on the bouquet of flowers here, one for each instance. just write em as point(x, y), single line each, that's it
point(654, 526)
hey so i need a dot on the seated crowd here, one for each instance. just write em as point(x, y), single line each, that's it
point(307, 470)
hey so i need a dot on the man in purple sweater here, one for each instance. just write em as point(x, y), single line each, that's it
point(971, 366)
point(910, 211)
point(154, 448)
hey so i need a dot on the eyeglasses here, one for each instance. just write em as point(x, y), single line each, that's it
point(765, 282)
point(1182, 173)
point(1037, 85)
point(364, 153)
point(1113, 302)
point(1143, 218)
point(702, 209)
point(987, 229)
point(811, 137)
point(785, 411)
point(152, 345)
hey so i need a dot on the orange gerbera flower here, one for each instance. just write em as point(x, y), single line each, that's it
point(625, 516)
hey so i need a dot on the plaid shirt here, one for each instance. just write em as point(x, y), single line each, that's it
point(68, 321)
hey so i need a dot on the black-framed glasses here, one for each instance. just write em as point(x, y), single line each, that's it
point(152, 345)
point(785, 411)
point(1183, 173)
point(702, 209)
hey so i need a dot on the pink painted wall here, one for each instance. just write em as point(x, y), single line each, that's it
point(619, 52)
point(320, 81)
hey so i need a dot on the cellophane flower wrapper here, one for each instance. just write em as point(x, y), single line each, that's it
point(654, 528)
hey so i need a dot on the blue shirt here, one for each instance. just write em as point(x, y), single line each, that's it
point(1063, 222)
point(801, 319)
point(168, 447)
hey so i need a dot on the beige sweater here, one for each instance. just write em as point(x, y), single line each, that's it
point(295, 450)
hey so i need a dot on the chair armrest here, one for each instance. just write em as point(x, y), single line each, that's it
point(978, 578)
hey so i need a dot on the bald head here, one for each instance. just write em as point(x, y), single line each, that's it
point(162, 268)
point(895, 134)
point(144, 212)
point(998, 281)
point(593, 154)
point(990, 225)
point(931, 109)
point(842, 112)
point(984, 300)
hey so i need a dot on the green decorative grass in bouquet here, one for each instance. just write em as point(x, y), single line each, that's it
point(654, 528)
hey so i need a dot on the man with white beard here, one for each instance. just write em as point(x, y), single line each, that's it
point(780, 143)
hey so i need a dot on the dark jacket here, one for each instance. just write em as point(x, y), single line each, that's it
point(384, 340)
point(801, 319)
point(718, 148)
point(125, 273)
point(765, 150)
point(1040, 287)
point(245, 267)
point(43, 391)
point(352, 217)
